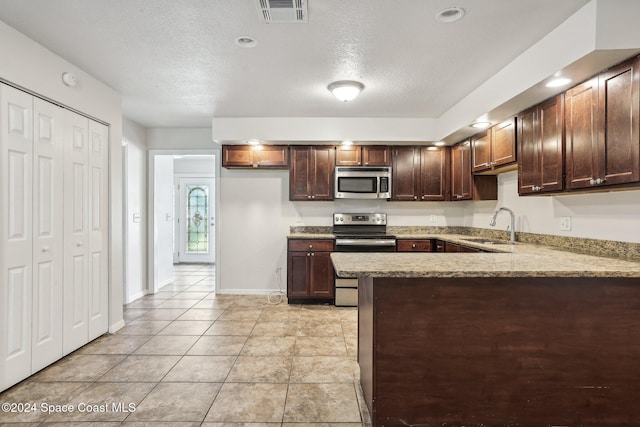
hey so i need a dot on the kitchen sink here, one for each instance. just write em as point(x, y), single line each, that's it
point(485, 241)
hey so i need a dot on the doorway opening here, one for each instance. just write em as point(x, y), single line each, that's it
point(183, 194)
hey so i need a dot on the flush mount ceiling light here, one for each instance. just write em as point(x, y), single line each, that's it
point(246, 41)
point(558, 81)
point(480, 125)
point(450, 14)
point(345, 90)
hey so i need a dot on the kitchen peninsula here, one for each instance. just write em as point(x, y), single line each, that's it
point(532, 336)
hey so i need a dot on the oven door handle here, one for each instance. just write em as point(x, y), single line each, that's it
point(365, 242)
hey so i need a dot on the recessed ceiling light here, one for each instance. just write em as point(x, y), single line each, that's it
point(558, 81)
point(345, 90)
point(439, 143)
point(253, 142)
point(480, 125)
point(450, 14)
point(246, 41)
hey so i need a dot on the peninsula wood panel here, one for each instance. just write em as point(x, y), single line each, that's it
point(500, 351)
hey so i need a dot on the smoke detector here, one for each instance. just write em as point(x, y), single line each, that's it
point(282, 11)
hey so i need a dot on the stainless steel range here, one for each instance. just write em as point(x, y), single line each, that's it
point(357, 232)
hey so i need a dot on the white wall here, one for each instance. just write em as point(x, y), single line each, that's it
point(39, 70)
point(163, 220)
point(607, 215)
point(134, 137)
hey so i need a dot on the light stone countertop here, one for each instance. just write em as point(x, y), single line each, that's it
point(507, 260)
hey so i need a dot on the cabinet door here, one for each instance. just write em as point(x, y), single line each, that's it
point(503, 143)
point(321, 275)
point(619, 139)
point(76, 220)
point(452, 247)
point(529, 148)
point(376, 155)
point(434, 173)
point(299, 178)
point(16, 234)
point(581, 106)
point(48, 230)
point(461, 177)
point(321, 172)
point(237, 156)
point(551, 146)
point(406, 173)
point(481, 148)
point(98, 229)
point(271, 156)
point(298, 266)
point(348, 156)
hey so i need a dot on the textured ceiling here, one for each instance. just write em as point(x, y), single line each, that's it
point(176, 64)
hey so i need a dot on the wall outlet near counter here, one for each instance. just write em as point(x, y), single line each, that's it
point(432, 218)
point(565, 223)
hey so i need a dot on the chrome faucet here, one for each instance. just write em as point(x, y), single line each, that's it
point(513, 221)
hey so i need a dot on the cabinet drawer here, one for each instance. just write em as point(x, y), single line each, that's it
point(317, 245)
point(414, 246)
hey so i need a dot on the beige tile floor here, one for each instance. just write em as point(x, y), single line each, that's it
point(188, 357)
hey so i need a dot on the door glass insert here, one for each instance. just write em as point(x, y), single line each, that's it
point(197, 215)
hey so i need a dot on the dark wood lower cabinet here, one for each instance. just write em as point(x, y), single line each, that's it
point(310, 274)
point(520, 351)
point(414, 245)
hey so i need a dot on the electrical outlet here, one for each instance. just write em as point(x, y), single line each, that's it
point(565, 223)
point(432, 218)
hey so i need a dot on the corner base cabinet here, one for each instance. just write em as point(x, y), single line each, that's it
point(310, 274)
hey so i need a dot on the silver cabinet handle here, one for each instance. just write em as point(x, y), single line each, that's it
point(79, 244)
point(45, 249)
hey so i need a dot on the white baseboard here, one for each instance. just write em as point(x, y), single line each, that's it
point(247, 291)
point(132, 298)
point(166, 282)
point(117, 326)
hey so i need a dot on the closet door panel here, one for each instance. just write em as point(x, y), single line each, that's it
point(16, 157)
point(48, 243)
point(76, 260)
point(98, 230)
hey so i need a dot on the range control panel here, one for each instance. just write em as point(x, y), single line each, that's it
point(360, 218)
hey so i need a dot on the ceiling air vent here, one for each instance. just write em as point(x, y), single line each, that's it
point(282, 11)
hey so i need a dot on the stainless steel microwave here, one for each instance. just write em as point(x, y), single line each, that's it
point(362, 182)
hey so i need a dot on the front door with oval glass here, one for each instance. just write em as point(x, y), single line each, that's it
point(196, 220)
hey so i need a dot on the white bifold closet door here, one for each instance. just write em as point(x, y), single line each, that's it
point(46, 331)
point(53, 233)
point(85, 231)
point(16, 233)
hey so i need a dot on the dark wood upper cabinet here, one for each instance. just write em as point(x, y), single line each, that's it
point(465, 185)
point(619, 124)
point(420, 173)
point(311, 172)
point(406, 173)
point(495, 148)
point(264, 156)
point(602, 123)
point(541, 147)
point(461, 176)
point(435, 169)
point(481, 150)
point(349, 155)
point(374, 155)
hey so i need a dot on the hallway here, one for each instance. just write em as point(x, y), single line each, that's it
point(190, 357)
